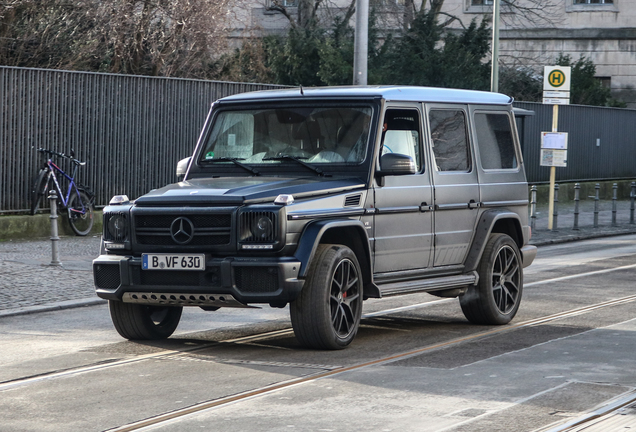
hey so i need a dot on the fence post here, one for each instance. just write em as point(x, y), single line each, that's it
point(55, 256)
point(533, 207)
point(577, 191)
point(555, 214)
point(596, 187)
point(614, 198)
point(632, 196)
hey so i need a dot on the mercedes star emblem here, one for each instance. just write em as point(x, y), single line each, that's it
point(182, 230)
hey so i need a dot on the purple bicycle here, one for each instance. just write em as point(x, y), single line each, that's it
point(78, 200)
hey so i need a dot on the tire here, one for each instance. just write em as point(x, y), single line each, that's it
point(140, 322)
point(80, 213)
point(327, 313)
point(38, 190)
point(496, 298)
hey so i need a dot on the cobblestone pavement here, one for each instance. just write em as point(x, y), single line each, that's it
point(27, 280)
point(28, 283)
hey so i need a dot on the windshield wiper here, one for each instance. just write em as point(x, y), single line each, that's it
point(297, 159)
point(236, 162)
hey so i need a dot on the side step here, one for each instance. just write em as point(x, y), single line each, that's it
point(427, 285)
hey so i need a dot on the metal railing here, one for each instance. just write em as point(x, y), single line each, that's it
point(131, 130)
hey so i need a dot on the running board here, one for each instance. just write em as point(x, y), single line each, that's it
point(427, 285)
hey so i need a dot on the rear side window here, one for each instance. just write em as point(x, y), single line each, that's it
point(495, 140)
point(449, 138)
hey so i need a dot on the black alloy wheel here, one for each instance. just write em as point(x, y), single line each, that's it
point(495, 299)
point(328, 311)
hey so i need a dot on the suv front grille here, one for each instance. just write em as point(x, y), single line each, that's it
point(209, 229)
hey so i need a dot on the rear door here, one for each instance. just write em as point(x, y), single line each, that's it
point(455, 182)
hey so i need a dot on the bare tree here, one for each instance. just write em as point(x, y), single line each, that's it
point(149, 37)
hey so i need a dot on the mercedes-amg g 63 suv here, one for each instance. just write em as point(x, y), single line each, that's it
point(322, 198)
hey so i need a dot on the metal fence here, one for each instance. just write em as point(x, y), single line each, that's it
point(130, 130)
point(601, 142)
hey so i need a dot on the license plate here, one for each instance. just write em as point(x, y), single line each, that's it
point(173, 261)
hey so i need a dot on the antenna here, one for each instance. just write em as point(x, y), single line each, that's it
point(301, 91)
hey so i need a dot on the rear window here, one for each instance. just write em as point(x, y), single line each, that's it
point(495, 141)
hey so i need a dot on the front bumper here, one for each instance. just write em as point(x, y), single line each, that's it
point(231, 281)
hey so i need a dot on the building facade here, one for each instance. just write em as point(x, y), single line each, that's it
point(533, 32)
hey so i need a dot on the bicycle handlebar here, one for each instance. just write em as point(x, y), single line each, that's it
point(54, 153)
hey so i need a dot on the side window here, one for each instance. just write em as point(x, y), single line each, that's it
point(495, 140)
point(449, 140)
point(401, 134)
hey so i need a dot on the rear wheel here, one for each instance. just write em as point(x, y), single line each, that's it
point(327, 314)
point(141, 322)
point(38, 190)
point(80, 213)
point(496, 298)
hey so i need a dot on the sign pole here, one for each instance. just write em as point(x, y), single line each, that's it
point(555, 123)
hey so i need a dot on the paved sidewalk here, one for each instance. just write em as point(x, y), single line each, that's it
point(28, 284)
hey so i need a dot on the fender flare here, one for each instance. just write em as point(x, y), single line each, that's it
point(314, 232)
point(485, 225)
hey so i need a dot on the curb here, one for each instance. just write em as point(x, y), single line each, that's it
point(68, 304)
point(23, 227)
point(579, 237)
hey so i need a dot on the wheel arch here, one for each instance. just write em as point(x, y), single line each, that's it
point(350, 233)
point(493, 221)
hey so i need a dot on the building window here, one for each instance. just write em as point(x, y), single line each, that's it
point(481, 2)
point(605, 81)
point(283, 3)
point(593, 1)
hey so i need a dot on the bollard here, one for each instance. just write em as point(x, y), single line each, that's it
point(55, 257)
point(555, 214)
point(577, 191)
point(614, 198)
point(632, 196)
point(597, 187)
point(533, 207)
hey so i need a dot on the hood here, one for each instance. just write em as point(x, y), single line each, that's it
point(239, 190)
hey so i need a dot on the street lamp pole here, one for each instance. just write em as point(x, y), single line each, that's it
point(494, 74)
point(361, 43)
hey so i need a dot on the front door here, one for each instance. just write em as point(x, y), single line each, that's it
point(455, 182)
point(403, 221)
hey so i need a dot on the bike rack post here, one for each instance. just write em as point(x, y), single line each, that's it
point(555, 214)
point(55, 256)
point(614, 198)
point(577, 191)
point(632, 196)
point(597, 187)
point(533, 207)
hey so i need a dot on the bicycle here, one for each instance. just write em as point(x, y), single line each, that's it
point(78, 199)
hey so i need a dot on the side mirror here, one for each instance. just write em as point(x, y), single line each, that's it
point(182, 167)
point(392, 164)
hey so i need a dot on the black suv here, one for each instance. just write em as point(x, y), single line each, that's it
point(320, 199)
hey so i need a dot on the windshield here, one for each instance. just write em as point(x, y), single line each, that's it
point(325, 135)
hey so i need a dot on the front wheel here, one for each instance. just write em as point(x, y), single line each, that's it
point(328, 311)
point(80, 213)
point(38, 190)
point(496, 298)
point(140, 322)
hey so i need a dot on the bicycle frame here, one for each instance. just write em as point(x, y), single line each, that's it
point(71, 185)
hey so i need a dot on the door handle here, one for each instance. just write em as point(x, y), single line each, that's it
point(425, 207)
point(473, 205)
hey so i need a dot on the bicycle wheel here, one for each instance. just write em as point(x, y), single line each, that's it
point(80, 213)
point(38, 190)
